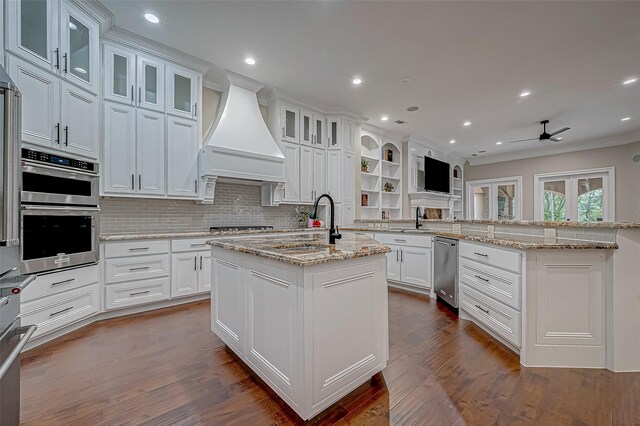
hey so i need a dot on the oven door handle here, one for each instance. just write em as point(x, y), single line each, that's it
point(33, 167)
point(61, 208)
point(28, 332)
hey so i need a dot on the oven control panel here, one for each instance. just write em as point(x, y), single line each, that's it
point(58, 160)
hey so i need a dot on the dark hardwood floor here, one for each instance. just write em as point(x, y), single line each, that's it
point(166, 367)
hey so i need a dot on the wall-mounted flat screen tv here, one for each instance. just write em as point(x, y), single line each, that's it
point(437, 175)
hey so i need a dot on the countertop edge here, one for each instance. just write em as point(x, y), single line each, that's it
point(557, 224)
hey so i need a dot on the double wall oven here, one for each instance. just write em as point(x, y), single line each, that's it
point(59, 212)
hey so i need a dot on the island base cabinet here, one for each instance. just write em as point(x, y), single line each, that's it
point(312, 333)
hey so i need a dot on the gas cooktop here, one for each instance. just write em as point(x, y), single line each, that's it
point(240, 228)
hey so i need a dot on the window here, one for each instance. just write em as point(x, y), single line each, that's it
point(495, 199)
point(582, 195)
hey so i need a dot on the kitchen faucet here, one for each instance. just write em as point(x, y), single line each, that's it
point(333, 233)
point(418, 224)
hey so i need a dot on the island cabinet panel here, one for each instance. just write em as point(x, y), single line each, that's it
point(346, 303)
point(272, 304)
point(227, 304)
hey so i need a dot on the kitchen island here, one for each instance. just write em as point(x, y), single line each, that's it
point(308, 317)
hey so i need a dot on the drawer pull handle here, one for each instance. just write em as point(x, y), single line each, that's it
point(139, 249)
point(140, 293)
point(483, 310)
point(63, 282)
point(481, 278)
point(198, 245)
point(141, 268)
point(480, 254)
point(61, 312)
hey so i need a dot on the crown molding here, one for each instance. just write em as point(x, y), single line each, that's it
point(97, 11)
point(150, 47)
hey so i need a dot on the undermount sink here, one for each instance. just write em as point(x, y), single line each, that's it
point(301, 248)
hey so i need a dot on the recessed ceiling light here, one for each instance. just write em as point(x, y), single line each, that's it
point(384, 118)
point(72, 26)
point(466, 124)
point(249, 61)
point(481, 152)
point(412, 108)
point(80, 70)
point(399, 121)
point(357, 81)
point(525, 93)
point(152, 18)
point(630, 80)
point(625, 119)
point(406, 79)
point(499, 143)
point(452, 141)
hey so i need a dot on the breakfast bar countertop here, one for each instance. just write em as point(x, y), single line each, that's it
point(305, 249)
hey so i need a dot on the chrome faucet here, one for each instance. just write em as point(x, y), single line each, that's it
point(333, 231)
point(418, 224)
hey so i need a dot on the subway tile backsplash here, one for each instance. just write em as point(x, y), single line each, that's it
point(234, 204)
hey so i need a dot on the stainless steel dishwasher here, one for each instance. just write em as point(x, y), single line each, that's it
point(445, 269)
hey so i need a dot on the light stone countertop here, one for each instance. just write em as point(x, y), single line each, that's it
point(305, 249)
point(196, 234)
point(521, 242)
point(557, 224)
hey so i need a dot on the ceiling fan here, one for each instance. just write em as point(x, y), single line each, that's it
point(544, 136)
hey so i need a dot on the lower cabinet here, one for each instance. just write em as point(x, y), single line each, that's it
point(134, 293)
point(190, 273)
point(409, 261)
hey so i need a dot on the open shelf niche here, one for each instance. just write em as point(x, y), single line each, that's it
point(457, 183)
point(390, 183)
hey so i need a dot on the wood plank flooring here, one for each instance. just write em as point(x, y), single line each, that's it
point(167, 368)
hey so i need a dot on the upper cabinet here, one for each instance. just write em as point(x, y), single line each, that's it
point(342, 132)
point(57, 37)
point(133, 79)
point(183, 89)
point(290, 126)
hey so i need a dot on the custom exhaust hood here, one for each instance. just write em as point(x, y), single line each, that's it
point(239, 144)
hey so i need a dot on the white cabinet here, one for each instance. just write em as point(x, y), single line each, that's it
point(415, 266)
point(334, 175)
point(55, 36)
point(150, 145)
point(319, 130)
point(184, 274)
point(290, 125)
point(319, 172)
point(393, 263)
point(183, 148)
point(182, 92)
point(348, 134)
point(312, 173)
point(204, 279)
point(348, 164)
point(119, 148)
point(151, 84)
point(79, 121)
point(306, 128)
point(291, 190)
point(40, 103)
point(334, 132)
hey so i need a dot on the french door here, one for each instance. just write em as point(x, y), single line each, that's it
point(494, 199)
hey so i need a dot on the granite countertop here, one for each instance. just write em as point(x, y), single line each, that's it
point(558, 224)
point(522, 242)
point(196, 234)
point(305, 249)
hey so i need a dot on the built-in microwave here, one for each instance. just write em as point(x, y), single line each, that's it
point(56, 237)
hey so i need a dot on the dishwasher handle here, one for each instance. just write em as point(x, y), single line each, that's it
point(444, 243)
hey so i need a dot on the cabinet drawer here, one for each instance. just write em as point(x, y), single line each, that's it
point(498, 317)
point(501, 285)
point(50, 284)
point(493, 256)
point(191, 244)
point(136, 248)
point(404, 239)
point(57, 311)
point(136, 293)
point(136, 268)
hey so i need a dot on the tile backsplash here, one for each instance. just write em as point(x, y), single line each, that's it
point(234, 204)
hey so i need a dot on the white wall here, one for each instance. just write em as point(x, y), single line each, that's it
point(620, 157)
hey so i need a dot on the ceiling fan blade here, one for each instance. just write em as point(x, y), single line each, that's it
point(555, 139)
point(564, 129)
point(524, 140)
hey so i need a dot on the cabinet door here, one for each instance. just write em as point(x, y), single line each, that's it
point(119, 75)
point(334, 175)
point(183, 145)
point(182, 92)
point(204, 278)
point(290, 125)
point(306, 174)
point(32, 31)
point(319, 172)
point(348, 177)
point(291, 188)
point(334, 132)
point(348, 134)
point(119, 148)
point(184, 274)
point(79, 121)
point(150, 84)
point(319, 130)
point(40, 103)
point(393, 263)
point(150, 149)
point(79, 46)
point(306, 127)
point(416, 266)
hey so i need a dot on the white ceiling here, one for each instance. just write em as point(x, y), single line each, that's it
point(466, 60)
